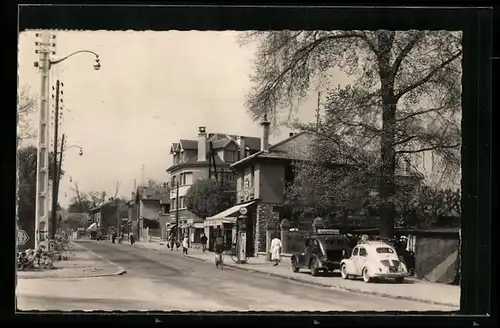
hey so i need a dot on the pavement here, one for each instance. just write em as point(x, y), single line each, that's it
point(82, 263)
point(159, 279)
point(412, 289)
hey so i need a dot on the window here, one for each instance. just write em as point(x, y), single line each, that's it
point(230, 155)
point(187, 178)
point(182, 179)
point(252, 176)
point(181, 202)
point(173, 204)
point(385, 250)
point(362, 252)
point(355, 251)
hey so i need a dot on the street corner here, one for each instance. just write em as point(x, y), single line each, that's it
point(81, 263)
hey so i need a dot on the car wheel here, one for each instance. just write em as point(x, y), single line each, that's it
point(366, 276)
point(399, 279)
point(295, 267)
point(343, 272)
point(314, 267)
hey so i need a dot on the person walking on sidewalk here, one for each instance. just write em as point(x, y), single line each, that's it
point(185, 244)
point(275, 250)
point(131, 237)
point(171, 241)
point(203, 241)
point(219, 249)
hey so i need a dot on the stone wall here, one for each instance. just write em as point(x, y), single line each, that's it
point(263, 218)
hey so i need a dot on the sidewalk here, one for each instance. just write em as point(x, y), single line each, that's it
point(411, 289)
point(82, 263)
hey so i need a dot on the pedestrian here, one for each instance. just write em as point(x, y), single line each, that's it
point(131, 237)
point(203, 241)
point(185, 244)
point(275, 250)
point(113, 236)
point(219, 249)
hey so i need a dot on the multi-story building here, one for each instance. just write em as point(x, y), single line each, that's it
point(146, 209)
point(193, 160)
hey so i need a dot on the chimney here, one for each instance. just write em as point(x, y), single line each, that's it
point(291, 134)
point(243, 152)
point(202, 144)
point(265, 135)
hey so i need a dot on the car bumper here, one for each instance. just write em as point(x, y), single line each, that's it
point(390, 274)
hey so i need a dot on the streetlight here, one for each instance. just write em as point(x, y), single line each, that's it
point(74, 146)
point(45, 49)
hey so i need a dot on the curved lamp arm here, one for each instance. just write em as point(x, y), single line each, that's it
point(53, 62)
point(73, 146)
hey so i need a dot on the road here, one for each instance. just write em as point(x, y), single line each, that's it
point(162, 280)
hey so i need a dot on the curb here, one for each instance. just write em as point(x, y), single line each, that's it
point(319, 284)
point(121, 270)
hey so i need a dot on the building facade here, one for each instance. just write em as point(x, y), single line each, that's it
point(261, 182)
point(195, 159)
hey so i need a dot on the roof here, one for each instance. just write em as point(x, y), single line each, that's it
point(188, 144)
point(292, 148)
point(151, 192)
point(193, 161)
point(373, 244)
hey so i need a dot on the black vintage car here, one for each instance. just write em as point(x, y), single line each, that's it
point(322, 252)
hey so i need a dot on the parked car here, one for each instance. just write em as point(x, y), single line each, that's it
point(373, 259)
point(322, 252)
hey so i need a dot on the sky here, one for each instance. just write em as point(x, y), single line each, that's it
point(153, 88)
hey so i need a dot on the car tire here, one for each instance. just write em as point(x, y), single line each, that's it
point(314, 267)
point(295, 267)
point(366, 276)
point(399, 280)
point(343, 272)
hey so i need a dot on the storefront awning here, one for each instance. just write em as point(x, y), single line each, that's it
point(227, 216)
point(198, 225)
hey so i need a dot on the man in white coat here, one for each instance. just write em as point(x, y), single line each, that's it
point(275, 250)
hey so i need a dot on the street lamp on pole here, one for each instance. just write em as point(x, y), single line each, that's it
point(45, 49)
point(74, 146)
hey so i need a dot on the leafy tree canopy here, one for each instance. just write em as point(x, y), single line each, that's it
point(405, 98)
point(208, 197)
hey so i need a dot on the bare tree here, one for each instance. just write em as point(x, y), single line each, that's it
point(26, 105)
point(405, 99)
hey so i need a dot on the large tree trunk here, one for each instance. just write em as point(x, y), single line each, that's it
point(388, 155)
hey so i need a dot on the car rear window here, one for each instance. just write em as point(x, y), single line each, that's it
point(332, 242)
point(385, 250)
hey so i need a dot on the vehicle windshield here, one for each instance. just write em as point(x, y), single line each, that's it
point(385, 250)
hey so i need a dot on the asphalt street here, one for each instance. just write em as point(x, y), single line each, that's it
point(165, 280)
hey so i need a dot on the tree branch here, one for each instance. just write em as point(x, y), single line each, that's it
point(426, 149)
point(404, 52)
point(426, 78)
point(302, 53)
point(420, 113)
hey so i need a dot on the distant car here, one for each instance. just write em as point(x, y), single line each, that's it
point(322, 252)
point(374, 259)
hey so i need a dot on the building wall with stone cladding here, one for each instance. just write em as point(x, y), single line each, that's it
point(265, 215)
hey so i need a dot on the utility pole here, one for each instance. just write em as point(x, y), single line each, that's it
point(59, 170)
point(143, 175)
point(42, 182)
point(53, 221)
point(177, 211)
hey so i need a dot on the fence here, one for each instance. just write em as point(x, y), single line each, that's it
point(155, 233)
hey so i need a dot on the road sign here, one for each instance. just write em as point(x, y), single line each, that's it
point(243, 210)
point(22, 237)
